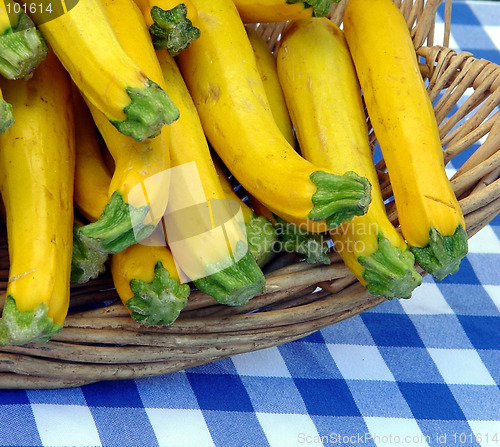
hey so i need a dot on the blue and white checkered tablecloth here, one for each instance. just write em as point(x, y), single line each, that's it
point(418, 372)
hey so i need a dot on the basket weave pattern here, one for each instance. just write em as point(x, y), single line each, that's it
point(102, 342)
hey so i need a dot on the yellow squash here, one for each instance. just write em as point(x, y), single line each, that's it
point(92, 178)
point(224, 81)
point(144, 275)
point(138, 192)
point(146, 280)
point(199, 255)
point(256, 11)
point(311, 246)
point(22, 46)
point(405, 125)
point(266, 64)
point(36, 183)
point(91, 187)
point(172, 23)
point(85, 43)
point(324, 99)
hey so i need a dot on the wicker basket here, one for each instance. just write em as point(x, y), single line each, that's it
point(101, 342)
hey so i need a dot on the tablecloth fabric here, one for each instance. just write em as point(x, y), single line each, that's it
point(424, 371)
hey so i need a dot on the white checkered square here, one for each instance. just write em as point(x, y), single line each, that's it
point(484, 241)
point(387, 432)
point(461, 366)
point(357, 362)
point(494, 34)
point(487, 433)
point(179, 427)
point(288, 430)
point(426, 299)
point(263, 363)
point(64, 425)
point(494, 293)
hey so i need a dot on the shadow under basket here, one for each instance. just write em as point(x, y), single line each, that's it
point(101, 342)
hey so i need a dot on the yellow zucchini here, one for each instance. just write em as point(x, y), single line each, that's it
point(311, 246)
point(36, 183)
point(91, 187)
point(405, 125)
point(92, 178)
point(22, 46)
point(145, 276)
point(266, 65)
point(170, 23)
point(146, 280)
point(324, 99)
point(138, 192)
point(197, 257)
point(85, 43)
point(256, 11)
point(226, 87)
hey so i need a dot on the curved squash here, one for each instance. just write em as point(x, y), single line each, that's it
point(36, 182)
point(405, 125)
point(250, 143)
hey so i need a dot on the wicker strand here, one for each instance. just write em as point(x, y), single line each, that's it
point(486, 150)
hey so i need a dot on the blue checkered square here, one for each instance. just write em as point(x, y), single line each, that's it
point(224, 366)
point(441, 331)
point(466, 275)
point(387, 307)
point(309, 360)
point(343, 430)
point(447, 433)
point(462, 14)
point(379, 398)
point(220, 392)
point(483, 332)
point(459, 160)
point(431, 401)
point(238, 429)
point(422, 370)
point(123, 426)
point(13, 397)
point(70, 396)
point(478, 402)
point(274, 394)
point(351, 331)
point(460, 299)
point(487, 266)
point(315, 337)
point(18, 427)
point(392, 329)
point(103, 394)
point(327, 397)
point(170, 391)
point(491, 359)
point(496, 229)
point(428, 367)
